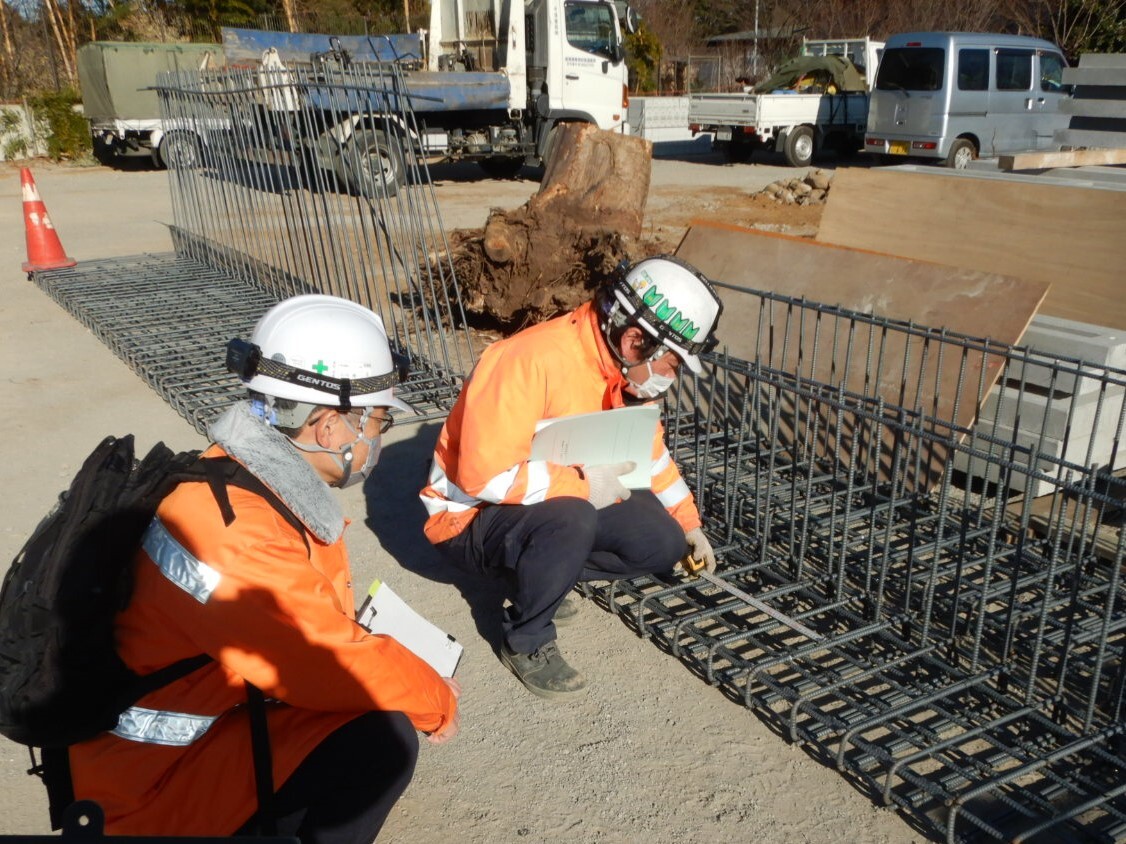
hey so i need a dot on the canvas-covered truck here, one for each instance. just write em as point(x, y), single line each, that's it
point(118, 100)
point(817, 100)
point(487, 82)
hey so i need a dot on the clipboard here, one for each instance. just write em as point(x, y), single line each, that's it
point(384, 612)
point(606, 436)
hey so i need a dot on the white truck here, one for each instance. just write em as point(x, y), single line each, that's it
point(118, 99)
point(817, 100)
point(493, 79)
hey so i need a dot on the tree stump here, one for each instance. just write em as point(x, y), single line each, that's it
point(546, 257)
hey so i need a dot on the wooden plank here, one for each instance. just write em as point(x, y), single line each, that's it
point(913, 375)
point(1071, 158)
point(1039, 230)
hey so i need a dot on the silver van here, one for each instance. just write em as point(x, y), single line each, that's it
point(955, 96)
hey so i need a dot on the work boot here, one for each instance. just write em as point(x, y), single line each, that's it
point(544, 671)
point(567, 613)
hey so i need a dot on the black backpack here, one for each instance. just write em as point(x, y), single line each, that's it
point(61, 680)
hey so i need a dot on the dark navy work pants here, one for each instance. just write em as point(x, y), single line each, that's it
point(542, 550)
point(343, 791)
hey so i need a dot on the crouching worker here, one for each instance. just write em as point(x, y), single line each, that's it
point(543, 526)
point(261, 584)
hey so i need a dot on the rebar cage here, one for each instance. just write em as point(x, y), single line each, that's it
point(942, 511)
point(965, 581)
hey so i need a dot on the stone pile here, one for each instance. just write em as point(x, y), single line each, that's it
point(810, 190)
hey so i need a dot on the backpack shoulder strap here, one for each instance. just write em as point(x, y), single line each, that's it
point(221, 472)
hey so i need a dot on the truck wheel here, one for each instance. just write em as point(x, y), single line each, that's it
point(502, 167)
point(799, 146)
point(372, 165)
point(962, 152)
point(180, 151)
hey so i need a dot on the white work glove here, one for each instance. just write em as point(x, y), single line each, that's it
point(700, 549)
point(605, 488)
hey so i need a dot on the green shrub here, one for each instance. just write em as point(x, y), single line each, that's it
point(67, 135)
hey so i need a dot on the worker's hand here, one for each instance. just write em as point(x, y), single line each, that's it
point(701, 549)
point(454, 724)
point(605, 488)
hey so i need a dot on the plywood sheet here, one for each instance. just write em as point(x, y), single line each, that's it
point(933, 379)
point(1067, 236)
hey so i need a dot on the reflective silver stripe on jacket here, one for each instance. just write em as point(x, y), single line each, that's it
point(674, 494)
point(151, 726)
point(193, 576)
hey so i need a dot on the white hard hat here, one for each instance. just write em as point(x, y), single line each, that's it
point(673, 302)
point(320, 350)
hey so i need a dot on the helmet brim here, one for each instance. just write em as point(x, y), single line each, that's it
point(691, 361)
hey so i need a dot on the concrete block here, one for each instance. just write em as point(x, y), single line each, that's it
point(1055, 416)
point(1091, 343)
point(1051, 454)
point(1094, 76)
point(1102, 60)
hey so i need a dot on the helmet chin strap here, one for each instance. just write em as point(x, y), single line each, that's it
point(343, 454)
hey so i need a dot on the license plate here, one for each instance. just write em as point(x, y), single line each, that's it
point(898, 147)
point(723, 134)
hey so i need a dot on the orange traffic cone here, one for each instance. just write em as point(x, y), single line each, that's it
point(44, 251)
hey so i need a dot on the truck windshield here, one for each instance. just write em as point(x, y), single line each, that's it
point(911, 69)
point(590, 27)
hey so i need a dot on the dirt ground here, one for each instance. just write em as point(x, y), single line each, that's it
point(651, 753)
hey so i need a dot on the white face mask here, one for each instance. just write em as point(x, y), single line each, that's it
point(651, 387)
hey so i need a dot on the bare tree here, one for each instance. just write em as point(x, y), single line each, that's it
point(1077, 26)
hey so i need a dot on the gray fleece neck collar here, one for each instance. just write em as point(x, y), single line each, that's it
point(272, 459)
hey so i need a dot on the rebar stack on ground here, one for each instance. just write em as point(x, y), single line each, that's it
point(963, 579)
point(970, 671)
point(259, 215)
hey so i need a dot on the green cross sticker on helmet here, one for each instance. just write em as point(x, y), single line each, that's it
point(674, 302)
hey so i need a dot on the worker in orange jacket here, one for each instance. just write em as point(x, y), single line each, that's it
point(267, 594)
point(545, 526)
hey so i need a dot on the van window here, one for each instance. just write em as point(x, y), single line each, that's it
point(973, 70)
point(1051, 72)
point(1014, 69)
point(911, 69)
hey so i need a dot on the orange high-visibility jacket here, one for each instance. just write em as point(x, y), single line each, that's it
point(557, 368)
point(267, 610)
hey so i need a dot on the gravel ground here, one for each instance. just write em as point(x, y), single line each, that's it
point(650, 754)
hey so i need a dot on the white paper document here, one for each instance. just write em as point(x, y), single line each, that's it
point(607, 436)
point(385, 612)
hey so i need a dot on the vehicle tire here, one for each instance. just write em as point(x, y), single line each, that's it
point(180, 151)
point(372, 164)
point(798, 148)
point(962, 152)
point(502, 167)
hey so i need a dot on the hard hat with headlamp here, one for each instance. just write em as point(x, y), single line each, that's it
point(668, 299)
point(319, 350)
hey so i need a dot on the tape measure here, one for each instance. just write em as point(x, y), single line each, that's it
point(693, 566)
